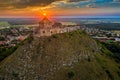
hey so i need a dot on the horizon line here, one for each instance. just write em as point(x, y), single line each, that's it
point(84, 16)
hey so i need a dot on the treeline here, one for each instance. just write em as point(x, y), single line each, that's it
point(114, 48)
point(105, 26)
point(6, 52)
point(20, 21)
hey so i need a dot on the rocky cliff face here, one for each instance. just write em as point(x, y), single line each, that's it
point(50, 58)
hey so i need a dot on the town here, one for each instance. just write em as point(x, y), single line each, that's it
point(11, 37)
point(102, 35)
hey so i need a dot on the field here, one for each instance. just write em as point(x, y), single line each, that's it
point(116, 31)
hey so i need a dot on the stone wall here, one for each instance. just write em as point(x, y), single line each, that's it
point(50, 31)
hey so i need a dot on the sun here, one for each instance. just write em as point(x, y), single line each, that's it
point(44, 14)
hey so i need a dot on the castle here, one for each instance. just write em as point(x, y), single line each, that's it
point(48, 28)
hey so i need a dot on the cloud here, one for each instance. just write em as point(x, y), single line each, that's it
point(20, 4)
point(30, 3)
point(76, 0)
point(24, 3)
point(116, 0)
point(106, 3)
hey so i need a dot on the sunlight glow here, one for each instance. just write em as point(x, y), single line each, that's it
point(44, 14)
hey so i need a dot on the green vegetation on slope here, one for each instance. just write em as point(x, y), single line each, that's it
point(114, 48)
point(4, 24)
point(4, 53)
point(102, 67)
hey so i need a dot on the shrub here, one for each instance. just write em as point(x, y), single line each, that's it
point(71, 74)
point(118, 72)
point(109, 74)
point(15, 74)
point(30, 39)
point(89, 59)
point(55, 36)
point(49, 39)
point(21, 43)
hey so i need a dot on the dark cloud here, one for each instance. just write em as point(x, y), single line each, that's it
point(76, 0)
point(30, 3)
point(25, 3)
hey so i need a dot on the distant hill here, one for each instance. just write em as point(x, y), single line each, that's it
point(67, 56)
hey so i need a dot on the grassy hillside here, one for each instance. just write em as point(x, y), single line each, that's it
point(67, 56)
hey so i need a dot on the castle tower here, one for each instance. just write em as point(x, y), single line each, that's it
point(47, 28)
point(45, 23)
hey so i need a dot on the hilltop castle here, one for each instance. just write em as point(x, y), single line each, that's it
point(48, 28)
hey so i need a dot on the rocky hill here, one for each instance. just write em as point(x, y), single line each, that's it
point(67, 56)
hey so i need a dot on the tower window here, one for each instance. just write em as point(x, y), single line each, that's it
point(43, 31)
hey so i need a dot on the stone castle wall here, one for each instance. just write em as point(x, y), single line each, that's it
point(48, 28)
point(51, 31)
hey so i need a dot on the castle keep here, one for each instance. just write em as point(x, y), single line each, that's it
point(48, 28)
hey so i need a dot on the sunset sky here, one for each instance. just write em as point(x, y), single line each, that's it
point(32, 8)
